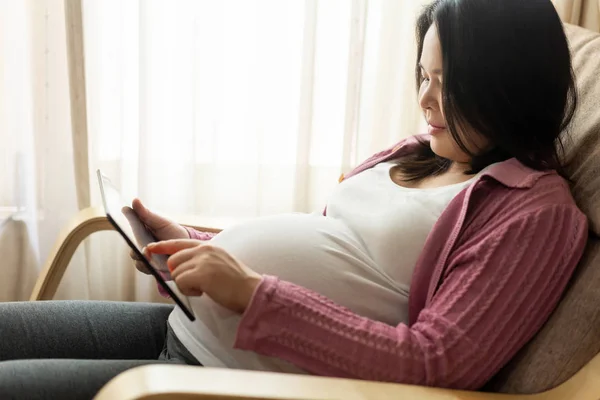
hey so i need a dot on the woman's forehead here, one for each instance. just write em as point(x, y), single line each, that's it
point(431, 57)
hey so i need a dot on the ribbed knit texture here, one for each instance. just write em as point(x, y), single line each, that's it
point(493, 269)
point(198, 235)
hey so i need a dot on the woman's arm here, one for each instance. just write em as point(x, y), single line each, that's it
point(495, 297)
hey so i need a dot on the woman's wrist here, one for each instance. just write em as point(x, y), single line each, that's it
point(249, 288)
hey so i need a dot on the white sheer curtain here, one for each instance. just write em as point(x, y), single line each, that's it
point(230, 109)
point(585, 13)
point(36, 173)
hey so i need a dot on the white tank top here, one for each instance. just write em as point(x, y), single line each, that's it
point(391, 221)
point(361, 256)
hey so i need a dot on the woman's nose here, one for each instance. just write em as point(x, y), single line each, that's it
point(428, 100)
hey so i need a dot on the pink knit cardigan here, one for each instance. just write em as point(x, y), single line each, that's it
point(491, 272)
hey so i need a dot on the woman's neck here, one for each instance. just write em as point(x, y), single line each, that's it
point(458, 168)
point(454, 174)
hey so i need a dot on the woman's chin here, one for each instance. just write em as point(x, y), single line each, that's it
point(441, 144)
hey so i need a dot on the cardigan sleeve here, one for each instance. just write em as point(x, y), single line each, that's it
point(198, 235)
point(497, 294)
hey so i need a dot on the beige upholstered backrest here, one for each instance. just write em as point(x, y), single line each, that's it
point(571, 337)
point(584, 151)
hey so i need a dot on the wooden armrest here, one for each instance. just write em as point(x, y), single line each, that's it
point(175, 382)
point(178, 382)
point(85, 223)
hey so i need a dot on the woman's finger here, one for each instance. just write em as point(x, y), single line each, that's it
point(186, 266)
point(187, 281)
point(134, 256)
point(172, 246)
point(140, 209)
point(140, 266)
point(180, 257)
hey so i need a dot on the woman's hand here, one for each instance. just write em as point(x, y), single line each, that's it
point(161, 228)
point(199, 268)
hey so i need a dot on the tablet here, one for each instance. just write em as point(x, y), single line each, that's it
point(136, 235)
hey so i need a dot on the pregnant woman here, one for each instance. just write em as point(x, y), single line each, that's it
point(434, 262)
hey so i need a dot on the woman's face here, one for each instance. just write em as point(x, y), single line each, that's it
point(430, 100)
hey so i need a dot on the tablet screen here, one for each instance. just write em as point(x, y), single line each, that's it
point(134, 232)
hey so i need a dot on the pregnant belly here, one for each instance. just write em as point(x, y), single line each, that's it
point(321, 254)
point(316, 252)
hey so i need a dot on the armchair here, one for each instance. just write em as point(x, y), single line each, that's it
point(158, 382)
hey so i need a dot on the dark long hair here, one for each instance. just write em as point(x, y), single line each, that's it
point(507, 76)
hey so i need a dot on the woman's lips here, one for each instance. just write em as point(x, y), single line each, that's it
point(433, 129)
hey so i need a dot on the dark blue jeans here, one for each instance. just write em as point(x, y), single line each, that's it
point(70, 349)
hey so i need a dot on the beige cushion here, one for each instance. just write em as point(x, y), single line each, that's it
point(584, 149)
point(571, 337)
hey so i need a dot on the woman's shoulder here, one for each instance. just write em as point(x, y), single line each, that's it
point(511, 189)
point(535, 184)
point(505, 204)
